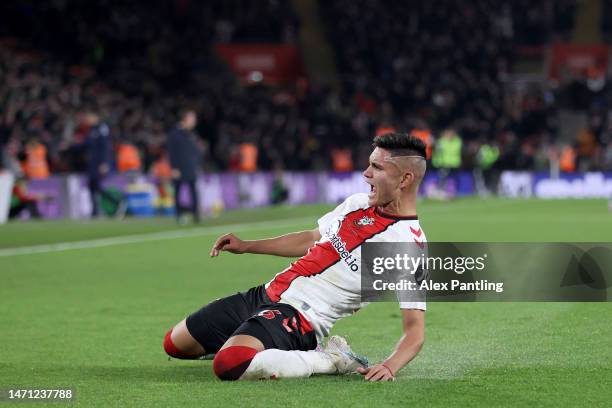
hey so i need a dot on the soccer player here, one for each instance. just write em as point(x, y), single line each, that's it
point(273, 330)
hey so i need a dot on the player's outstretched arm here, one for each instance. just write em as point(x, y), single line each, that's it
point(408, 347)
point(291, 245)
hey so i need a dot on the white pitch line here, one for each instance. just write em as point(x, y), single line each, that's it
point(176, 234)
point(154, 236)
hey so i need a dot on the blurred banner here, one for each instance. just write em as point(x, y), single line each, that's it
point(69, 195)
point(579, 60)
point(270, 64)
point(567, 185)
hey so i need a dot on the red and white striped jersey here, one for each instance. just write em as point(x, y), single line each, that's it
point(325, 284)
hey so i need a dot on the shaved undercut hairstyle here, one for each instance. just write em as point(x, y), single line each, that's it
point(401, 144)
point(407, 152)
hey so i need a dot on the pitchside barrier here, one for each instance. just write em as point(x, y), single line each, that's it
point(69, 196)
point(6, 185)
point(566, 185)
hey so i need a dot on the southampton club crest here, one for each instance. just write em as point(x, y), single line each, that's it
point(364, 221)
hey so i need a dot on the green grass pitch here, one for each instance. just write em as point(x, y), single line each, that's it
point(93, 318)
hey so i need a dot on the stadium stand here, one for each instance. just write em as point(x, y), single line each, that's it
point(401, 64)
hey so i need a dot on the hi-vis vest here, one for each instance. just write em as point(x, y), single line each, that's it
point(248, 157)
point(127, 158)
point(35, 165)
point(342, 160)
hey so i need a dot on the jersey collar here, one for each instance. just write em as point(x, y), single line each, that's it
point(395, 217)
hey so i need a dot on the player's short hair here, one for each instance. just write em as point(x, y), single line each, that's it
point(401, 144)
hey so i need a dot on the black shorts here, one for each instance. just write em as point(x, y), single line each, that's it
point(276, 325)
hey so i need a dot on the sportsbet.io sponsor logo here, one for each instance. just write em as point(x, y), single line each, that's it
point(340, 247)
point(345, 255)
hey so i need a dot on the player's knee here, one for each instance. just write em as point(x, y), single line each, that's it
point(231, 362)
point(171, 349)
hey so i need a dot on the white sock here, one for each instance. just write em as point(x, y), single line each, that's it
point(274, 363)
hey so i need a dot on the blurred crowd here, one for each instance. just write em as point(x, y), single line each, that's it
point(449, 66)
point(606, 20)
point(433, 68)
point(138, 64)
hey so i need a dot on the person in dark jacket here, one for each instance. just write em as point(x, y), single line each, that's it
point(98, 147)
point(185, 152)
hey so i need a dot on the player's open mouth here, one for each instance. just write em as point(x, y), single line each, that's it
point(372, 191)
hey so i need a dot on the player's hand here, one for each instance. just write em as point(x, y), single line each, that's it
point(229, 243)
point(376, 373)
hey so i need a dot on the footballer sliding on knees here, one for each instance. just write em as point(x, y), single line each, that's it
point(279, 329)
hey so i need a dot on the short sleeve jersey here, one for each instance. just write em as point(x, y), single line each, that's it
point(325, 284)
